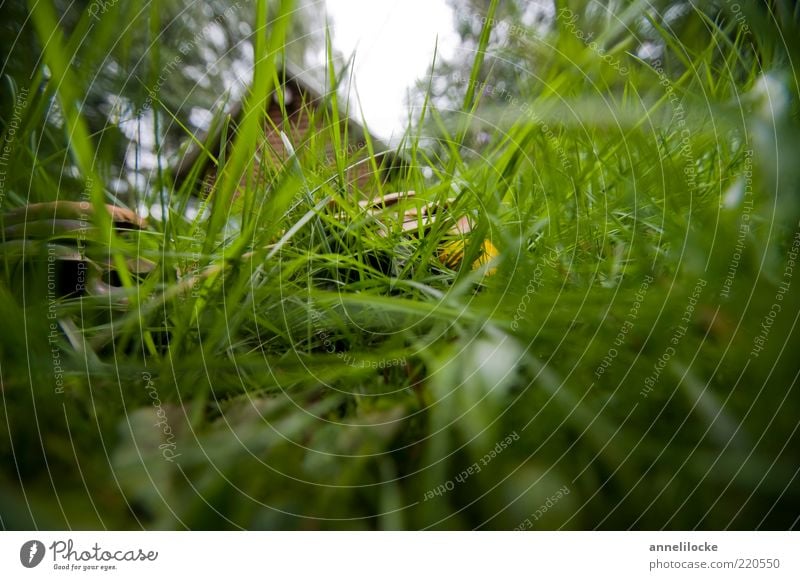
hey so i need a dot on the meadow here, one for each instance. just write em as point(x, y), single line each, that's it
point(626, 358)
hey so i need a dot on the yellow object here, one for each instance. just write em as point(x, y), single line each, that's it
point(451, 254)
point(488, 253)
point(411, 219)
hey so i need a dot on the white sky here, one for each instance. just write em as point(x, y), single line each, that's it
point(393, 42)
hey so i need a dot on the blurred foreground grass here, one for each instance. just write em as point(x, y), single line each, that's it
point(289, 364)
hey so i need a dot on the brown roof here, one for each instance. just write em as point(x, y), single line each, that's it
point(311, 92)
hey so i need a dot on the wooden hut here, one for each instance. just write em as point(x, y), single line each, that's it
point(297, 112)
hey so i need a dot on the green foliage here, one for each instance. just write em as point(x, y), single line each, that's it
point(293, 362)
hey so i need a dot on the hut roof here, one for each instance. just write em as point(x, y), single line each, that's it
point(314, 92)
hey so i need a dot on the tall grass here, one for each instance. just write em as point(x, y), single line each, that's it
point(295, 363)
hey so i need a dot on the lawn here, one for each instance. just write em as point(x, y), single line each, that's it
point(264, 354)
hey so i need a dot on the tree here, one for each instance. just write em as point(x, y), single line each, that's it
point(151, 72)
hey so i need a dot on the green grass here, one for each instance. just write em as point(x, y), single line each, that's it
point(616, 206)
